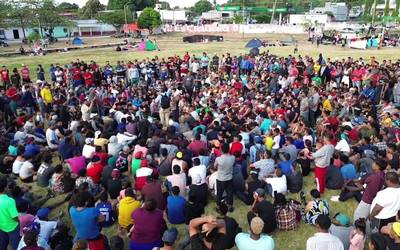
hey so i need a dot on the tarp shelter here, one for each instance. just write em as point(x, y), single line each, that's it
point(254, 51)
point(147, 45)
point(130, 28)
point(254, 43)
point(77, 41)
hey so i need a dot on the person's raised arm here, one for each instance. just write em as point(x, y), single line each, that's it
point(197, 222)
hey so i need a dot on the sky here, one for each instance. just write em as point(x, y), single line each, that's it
point(173, 3)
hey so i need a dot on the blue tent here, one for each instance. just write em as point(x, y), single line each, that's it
point(254, 43)
point(77, 41)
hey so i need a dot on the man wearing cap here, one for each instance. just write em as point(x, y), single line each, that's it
point(341, 228)
point(323, 239)
point(263, 209)
point(392, 235)
point(255, 240)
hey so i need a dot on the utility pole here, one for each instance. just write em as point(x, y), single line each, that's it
point(374, 13)
point(273, 11)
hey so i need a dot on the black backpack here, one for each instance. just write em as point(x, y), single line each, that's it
point(165, 101)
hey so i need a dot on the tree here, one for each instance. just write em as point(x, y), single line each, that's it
point(65, 6)
point(395, 13)
point(386, 10)
point(115, 18)
point(238, 19)
point(21, 13)
point(149, 19)
point(49, 17)
point(134, 5)
point(4, 10)
point(202, 6)
point(90, 9)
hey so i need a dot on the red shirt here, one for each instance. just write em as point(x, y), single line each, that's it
point(95, 171)
point(103, 157)
point(25, 73)
point(76, 73)
point(196, 146)
point(12, 93)
point(5, 75)
point(236, 147)
point(186, 57)
point(88, 76)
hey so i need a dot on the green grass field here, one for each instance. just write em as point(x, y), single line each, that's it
point(171, 45)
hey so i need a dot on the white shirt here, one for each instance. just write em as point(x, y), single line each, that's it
point(343, 146)
point(26, 170)
point(324, 241)
point(277, 140)
point(51, 136)
point(88, 151)
point(16, 167)
point(199, 170)
point(389, 199)
point(278, 184)
point(85, 110)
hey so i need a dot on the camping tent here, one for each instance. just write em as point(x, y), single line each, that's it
point(147, 45)
point(77, 41)
point(254, 43)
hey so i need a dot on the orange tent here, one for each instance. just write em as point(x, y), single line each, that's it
point(130, 28)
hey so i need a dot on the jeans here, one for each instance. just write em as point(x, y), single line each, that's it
point(12, 237)
point(223, 186)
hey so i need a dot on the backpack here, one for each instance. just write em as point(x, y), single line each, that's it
point(165, 101)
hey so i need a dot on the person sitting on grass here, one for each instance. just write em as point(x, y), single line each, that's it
point(315, 207)
point(255, 240)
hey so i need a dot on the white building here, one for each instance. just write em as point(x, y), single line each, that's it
point(339, 10)
point(190, 3)
point(217, 16)
point(170, 16)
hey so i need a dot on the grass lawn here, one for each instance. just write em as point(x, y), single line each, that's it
point(172, 44)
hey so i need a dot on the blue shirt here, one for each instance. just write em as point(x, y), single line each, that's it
point(106, 210)
point(66, 150)
point(265, 125)
point(175, 209)
point(286, 167)
point(348, 171)
point(85, 222)
point(245, 242)
point(299, 144)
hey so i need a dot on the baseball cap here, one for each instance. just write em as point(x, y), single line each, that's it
point(179, 155)
point(342, 219)
point(396, 228)
point(170, 236)
point(43, 213)
point(257, 225)
point(260, 192)
point(138, 155)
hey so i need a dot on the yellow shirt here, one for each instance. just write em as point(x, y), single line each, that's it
point(126, 207)
point(269, 142)
point(327, 105)
point(46, 95)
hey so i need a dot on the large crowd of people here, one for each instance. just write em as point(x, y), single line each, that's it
point(145, 145)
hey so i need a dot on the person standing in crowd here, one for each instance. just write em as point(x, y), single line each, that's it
point(322, 159)
point(224, 166)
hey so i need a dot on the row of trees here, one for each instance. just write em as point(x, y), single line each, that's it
point(46, 15)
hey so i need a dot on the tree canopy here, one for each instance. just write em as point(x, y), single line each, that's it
point(149, 19)
point(90, 9)
point(65, 6)
point(134, 5)
point(115, 18)
point(202, 6)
